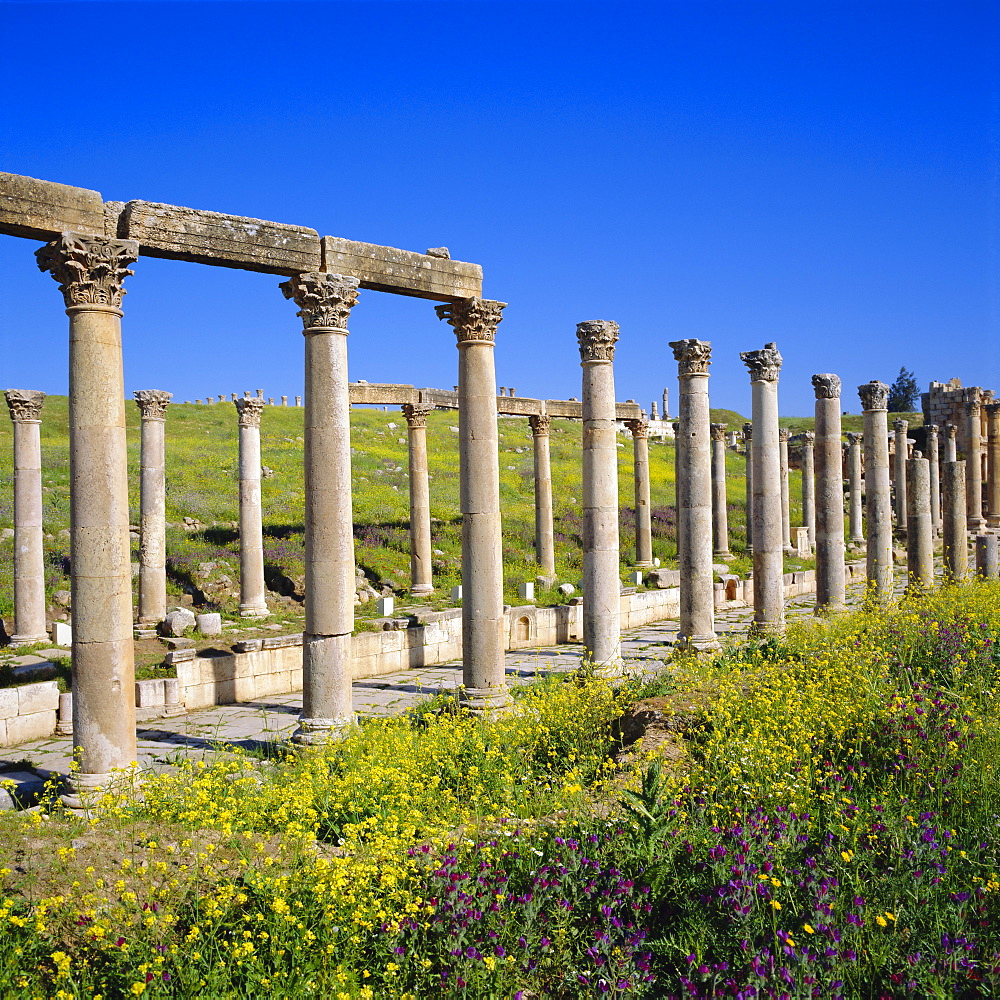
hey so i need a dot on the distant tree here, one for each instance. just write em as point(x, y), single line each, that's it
point(903, 393)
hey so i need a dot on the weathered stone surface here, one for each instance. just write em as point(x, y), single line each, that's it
point(178, 621)
point(663, 579)
point(387, 269)
point(41, 697)
point(42, 210)
point(209, 624)
point(213, 238)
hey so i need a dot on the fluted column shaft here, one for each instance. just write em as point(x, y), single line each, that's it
point(974, 462)
point(878, 494)
point(720, 512)
point(919, 529)
point(545, 548)
point(152, 506)
point(747, 449)
point(253, 598)
point(993, 465)
point(831, 587)
point(786, 516)
point(421, 573)
point(899, 479)
point(643, 523)
point(855, 489)
point(954, 538)
point(931, 437)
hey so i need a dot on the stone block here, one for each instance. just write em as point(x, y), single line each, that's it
point(62, 634)
point(179, 656)
point(456, 593)
point(281, 641)
point(209, 624)
point(42, 697)
point(526, 590)
point(566, 589)
point(36, 726)
point(41, 210)
point(177, 622)
point(387, 269)
point(8, 703)
point(248, 645)
point(386, 606)
point(213, 238)
point(664, 578)
point(802, 547)
point(635, 578)
point(149, 693)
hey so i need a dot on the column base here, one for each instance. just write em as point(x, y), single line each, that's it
point(27, 640)
point(150, 619)
point(764, 630)
point(975, 524)
point(84, 791)
point(726, 556)
point(708, 643)
point(248, 611)
point(484, 702)
point(643, 564)
point(421, 589)
point(316, 732)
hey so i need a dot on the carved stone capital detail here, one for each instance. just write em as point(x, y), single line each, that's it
point(784, 434)
point(763, 365)
point(717, 431)
point(854, 439)
point(597, 338)
point(931, 430)
point(540, 423)
point(874, 395)
point(951, 431)
point(249, 409)
point(748, 431)
point(25, 404)
point(90, 270)
point(900, 426)
point(827, 386)
point(973, 402)
point(152, 403)
point(992, 408)
point(809, 438)
point(474, 320)
point(693, 356)
point(416, 413)
point(324, 299)
point(639, 427)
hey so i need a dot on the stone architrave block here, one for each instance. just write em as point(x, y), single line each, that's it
point(41, 210)
point(387, 269)
point(213, 238)
point(281, 641)
point(8, 703)
point(41, 697)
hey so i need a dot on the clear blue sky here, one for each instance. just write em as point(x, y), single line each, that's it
point(821, 174)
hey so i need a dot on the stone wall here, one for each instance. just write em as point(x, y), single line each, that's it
point(28, 712)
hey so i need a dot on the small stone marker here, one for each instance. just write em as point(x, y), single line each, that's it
point(526, 590)
point(62, 634)
point(567, 589)
point(635, 578)
point(656, 562)
point(802, 547)
point(456, 593)
point(209, 624)
point(386, 606)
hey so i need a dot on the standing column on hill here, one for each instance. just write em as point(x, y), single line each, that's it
point(900, 427)
point(475, 324)
point(545, 548)
point(720, 512)
point(601, 579)
point(694, 497)
point(878, 495)
point(677, 488)
point(666, 402)
point(829, 503)
point(808, 444)
point(855, 489)
point(974, 460)
point(950, 445)
point(421, 573)
point(253, 600)
point(919, 528)
point(152, 405)
point(748, 439)
point(643, 524)
point(325, 302)
point(786, 517)
point(25, 407)
point(768, 524)
point(954, 537)
point(91, 272)
point(931, 433)
point(993, 465)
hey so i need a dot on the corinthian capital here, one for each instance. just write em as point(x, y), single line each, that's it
point(474, 320)
point(717, 431)
point(973, 401)
point(900, 426)
point(693, 356)
point(809, 438)
point(763, 365)
point(597, 338)
point(951, 431)
point(25, 404)
point(90, 270)
point(249, 409)
point(540, 424)
point(324, 299)
point(992, 408)
point(784, 434)
point(152, 403)
point(931, 430)
point(854, 438)
point(416, 413)
point(639, 428)
point(827, 386)
point(748, 431)
point(874, 395)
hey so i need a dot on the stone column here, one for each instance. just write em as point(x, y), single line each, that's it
point(809, 483)
point(993, 464)
point(919, 528)
point(899, 474)
point(677, 490)
point(475, 323)
point(325, 301)
point(748, 439)
point(643, 524)
point(720, 512)
point(935, 479)
point(768, 537)
point(974, 460)
point(253, 600)
point(878, 495)
point(786, 517)
point(421, 574)
point(954, 536)
point(666, 404)
point(950, 445)
point(829, 496)
point(29, 558)
point(545, 548)
point(152, 405)
point(91, 271)
point(987, 557)
point(855, 490)
point(694, 497)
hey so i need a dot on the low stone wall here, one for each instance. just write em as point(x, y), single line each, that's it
point(28, 712)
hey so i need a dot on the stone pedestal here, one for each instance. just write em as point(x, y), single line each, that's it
point(974, 461)
point(987, 557)
point(931, 435)
point(694, 497)
point(25, 407)
point(786, 519)
point(475, 323)
point(878, 494)
point(855, 489)
point(829, 495)
point(91, 271)
point(954, 536)
point(808, 445)
point(768, 525)
point(993, 464)
point(919, 526)
point(720, 511)
point(545, 548)
point(253, 599)
point(325, 302)
point(643, 524)
point(152, 405)
point(899, 477)
point(747, 447)
point(421, 574)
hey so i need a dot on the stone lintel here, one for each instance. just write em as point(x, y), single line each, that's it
point(386, 269)
point(382, 394)
point(519, 406)
point(41, 210)
point(445, 399)
point(569, 408)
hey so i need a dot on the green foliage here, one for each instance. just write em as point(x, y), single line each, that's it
point(904, 392)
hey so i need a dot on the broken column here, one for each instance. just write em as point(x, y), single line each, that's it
point(152, 405)
point(950, 444)
point(974, 460)
point(421, 574)
point(253, 598)
point(954, 540)
point(808, 445)
point(919, 528)
point(747, 446)
point(720, 512)
point(900, 427)
point(987, 557)
point(931, 435)
point(643, 524)
point(545, 548)
point(786, 518)
point(993, 464)
point(325, 301)
point(878, 495)
point(768, 527)
point(25, 407)
point(475, 323)
point(829, 495)
point(91, 271)
point(855, 490)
